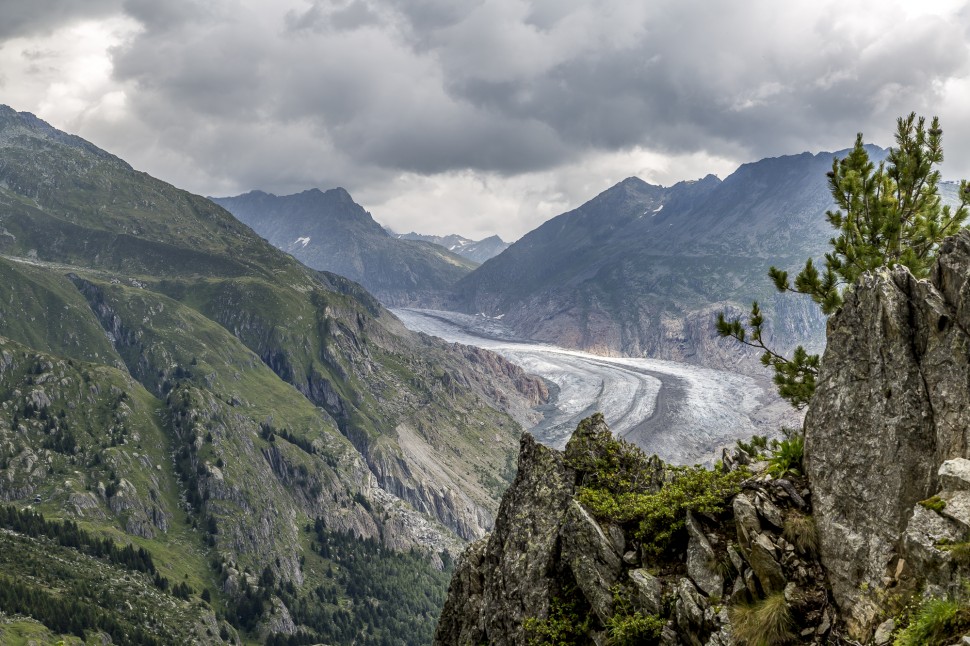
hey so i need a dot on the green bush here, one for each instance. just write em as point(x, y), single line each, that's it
point(934, 503)
point(767, 622)
point(659, 515)
point(634, 629)
point(567, 624)
point(609, 463)
point(755, 447)
point(628, 626)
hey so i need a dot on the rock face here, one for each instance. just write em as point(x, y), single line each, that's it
point(511, 574)
point(891, 405)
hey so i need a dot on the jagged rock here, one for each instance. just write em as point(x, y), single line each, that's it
point(649, 589)
point(724, 636)
point(957, 507)
point(517, 566)
point(592, 558)
point(891, 404)
point(617, 537)
point(700, 559)
point(279, 620)
point(789, 489)
point(746, 519)
point(738, 590)
point(769, 511)
point(751, 582)
point(689, 610)
point(762, 558)
point(955, 474)
point(668, 636)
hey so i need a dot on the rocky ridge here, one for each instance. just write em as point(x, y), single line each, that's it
point(548, 549)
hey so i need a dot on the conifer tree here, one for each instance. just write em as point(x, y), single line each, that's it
point(886, 215)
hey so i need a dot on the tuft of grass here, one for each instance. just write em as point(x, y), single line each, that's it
point(767, 622)
point(800, 530)
point(935, 503)
point(937, 622)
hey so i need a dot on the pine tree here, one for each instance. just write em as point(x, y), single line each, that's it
point(886, 215)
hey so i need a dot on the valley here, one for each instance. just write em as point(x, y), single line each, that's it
point(681, 412)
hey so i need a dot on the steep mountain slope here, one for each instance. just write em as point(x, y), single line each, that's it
point(171, 380)
point(642, 269)
point(331, 232)
point(476, 250)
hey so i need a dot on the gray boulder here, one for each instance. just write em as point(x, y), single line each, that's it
point(764, 562)
point(701, 559)
point(649, 590)
point(955, 474)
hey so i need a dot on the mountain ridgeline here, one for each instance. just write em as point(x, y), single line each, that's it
point(642, 269)
point(285, 452)
point(331, 232)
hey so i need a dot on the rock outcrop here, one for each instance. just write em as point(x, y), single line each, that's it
point(548, 551)
point(892, 405)
point(512, 574)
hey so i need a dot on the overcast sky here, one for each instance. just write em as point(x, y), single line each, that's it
point(479, 116)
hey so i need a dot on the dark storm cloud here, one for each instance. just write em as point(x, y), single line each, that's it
point(509, 86)
point(27, 17)
point(283, 94)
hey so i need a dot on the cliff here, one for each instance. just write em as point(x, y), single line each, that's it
point(887, 428)
point(601, 545)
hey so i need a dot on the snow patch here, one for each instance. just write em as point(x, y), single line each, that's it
point(303, 241)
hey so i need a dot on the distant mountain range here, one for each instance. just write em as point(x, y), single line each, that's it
point(330, 232)
point(476, 250)
point(643, 269)
point(639, 269)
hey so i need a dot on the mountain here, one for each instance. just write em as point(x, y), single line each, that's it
point(475, 250)
point(858, 535)
point(284, 452)
point(642, 269)
point(331, 232)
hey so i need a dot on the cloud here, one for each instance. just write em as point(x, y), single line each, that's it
point(18, 19)
point(450, 100)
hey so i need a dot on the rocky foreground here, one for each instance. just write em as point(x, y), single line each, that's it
point(599, 544)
